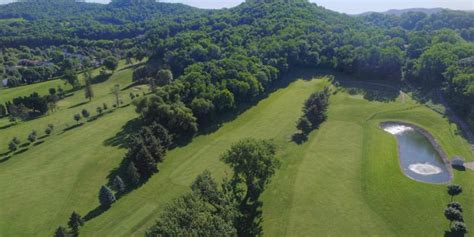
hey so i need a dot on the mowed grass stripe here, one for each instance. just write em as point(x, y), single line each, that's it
point(49, 181)
point(272, 118)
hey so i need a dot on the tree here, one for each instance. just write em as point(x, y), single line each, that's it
point(77, 117)
point(111, 63)
point(49, 129)
point(202, 109)
point(32, 136)
point(253, 162)
point(455, 205)
point(85, 113)
point(133, 174)
point(106, 197)
point(12, 146)
point(71, 78)
point(304, 125)
point(16, 140)
point(88, 92)
point(206, 211)
point(454, 190)
point(453, 214)
point(142, 157)
point(115, 90)
point(60, 232)
point(75, 221)
point(162, 134)
point(119, 185)
point(164, 77)
point(104, 106)
point(459, 228)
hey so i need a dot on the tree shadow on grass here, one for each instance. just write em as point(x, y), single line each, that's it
point(4, 159)
point(286, 79)
point(100, 78)
point(250, 223)
point(370, 90)
point(77, 105)
point(6, 153)
point(453, 234)
point(133, 66)
point(38, 143)
point(72, 127)
point(7, 126)
point(95, 213)
point(20, 151)
point(122, 138)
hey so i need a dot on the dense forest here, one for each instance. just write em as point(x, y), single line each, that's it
point(203, 62)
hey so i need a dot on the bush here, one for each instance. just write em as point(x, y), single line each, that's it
point(32, 137)
point(12, 146)
point(85, 113)
point(77, 117)
point(459, 227)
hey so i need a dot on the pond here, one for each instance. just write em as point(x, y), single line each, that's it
point(419, 159)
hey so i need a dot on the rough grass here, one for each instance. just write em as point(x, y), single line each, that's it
point(345, 180)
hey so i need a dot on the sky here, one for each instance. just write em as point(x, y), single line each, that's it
point(346, 6)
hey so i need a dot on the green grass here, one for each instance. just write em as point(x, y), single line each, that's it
point(345, 180)
point(11, 20)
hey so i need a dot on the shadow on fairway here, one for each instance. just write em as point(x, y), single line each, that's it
point(122, 138)
point(370, 90)
point(453, 234)
point(72, 127)
point(77, 105)
point(95, 213)
point(286, 79)
point(250, 224)
point(7, 126)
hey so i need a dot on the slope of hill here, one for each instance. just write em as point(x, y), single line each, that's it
point(398, 12)
point(344, 179)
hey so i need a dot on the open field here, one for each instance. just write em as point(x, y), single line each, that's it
point(344, 179)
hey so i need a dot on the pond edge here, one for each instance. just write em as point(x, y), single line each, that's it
point(431, 139)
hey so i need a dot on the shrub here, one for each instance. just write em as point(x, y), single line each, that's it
point(77, 117)
point(85, 113)
point(32, 137)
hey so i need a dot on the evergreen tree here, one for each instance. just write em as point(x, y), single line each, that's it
point(106, 196)
point(143, 159)
point(119, 185)
point(132, 173)
point(75, 221)
point(88, 92)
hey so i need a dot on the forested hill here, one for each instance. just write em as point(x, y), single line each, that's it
point(222, 57)
point(43, 23)
point(240, 51)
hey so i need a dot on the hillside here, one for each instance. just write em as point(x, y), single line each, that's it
point(116, 111)
point(399, 12)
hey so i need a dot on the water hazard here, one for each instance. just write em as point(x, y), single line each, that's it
point(419, 160)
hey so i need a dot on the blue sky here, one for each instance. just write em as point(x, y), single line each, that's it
point(347, 6)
